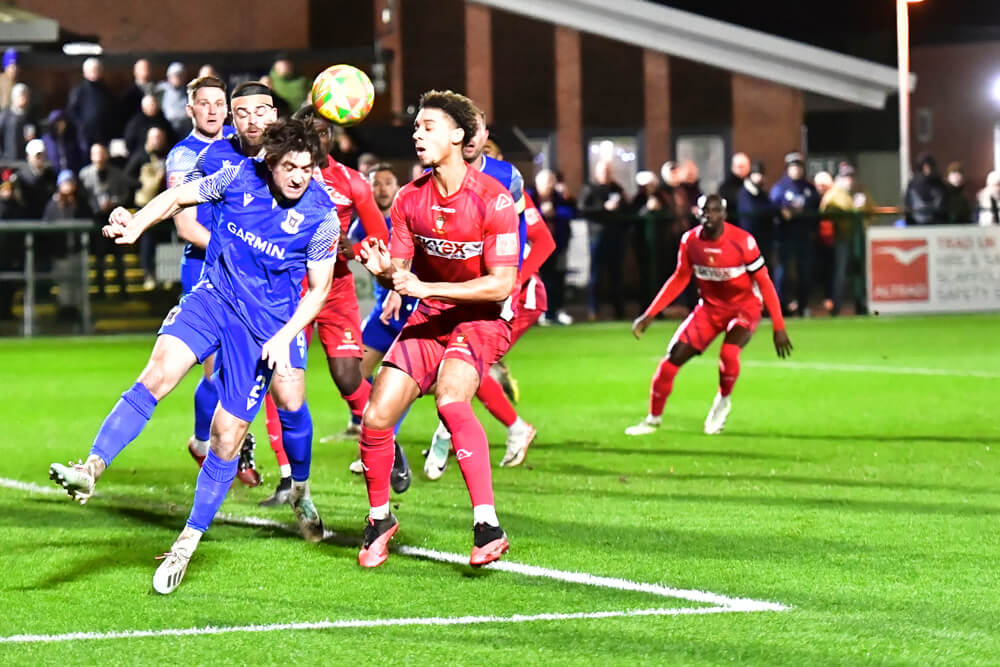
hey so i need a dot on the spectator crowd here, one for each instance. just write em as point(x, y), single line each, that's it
point(106, 148)
point(811, 231)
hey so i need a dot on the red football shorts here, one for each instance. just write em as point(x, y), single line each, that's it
point(339, 323)
point(706, 322)
point(533, 303)
point(429, 339)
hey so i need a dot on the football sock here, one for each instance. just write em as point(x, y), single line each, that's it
point(274, 433)
point(492, 396)
point(356, 401)
point(377, 454)
point(380, 512)
point(729, 368)
point(124, 423)
point(214, 480)
point(206, 397)
point(297, 434)
point(485, 514)
point(472, 450)
point(663, 384)
point(285, 470)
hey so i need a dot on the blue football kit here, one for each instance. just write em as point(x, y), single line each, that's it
point(181, 161)
point(262, 249)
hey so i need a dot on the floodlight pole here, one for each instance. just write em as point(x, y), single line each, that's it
point(903, 45)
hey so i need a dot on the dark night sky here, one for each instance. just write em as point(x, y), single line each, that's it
point(865, 28)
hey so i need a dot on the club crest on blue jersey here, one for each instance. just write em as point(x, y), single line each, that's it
point(292, 222)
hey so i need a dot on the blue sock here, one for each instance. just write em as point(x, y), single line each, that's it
point(214, 480)
point(399, 423)
point(297, 435)
point(124, 423)
point(206, 397)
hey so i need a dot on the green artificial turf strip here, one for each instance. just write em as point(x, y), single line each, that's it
point(864, 499)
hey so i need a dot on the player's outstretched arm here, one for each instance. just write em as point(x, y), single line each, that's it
point(668, 293)
point(126, 228)
point(275, 351)
point(494, 287)
point(782, 344)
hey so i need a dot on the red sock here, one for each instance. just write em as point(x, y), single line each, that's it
point(274, 430)
point(356, 401)
point(471, 450)
point(377, 454)
point(663, 384)
point(491, 394)
point(729, 368)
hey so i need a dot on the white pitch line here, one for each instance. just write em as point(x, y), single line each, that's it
point(704, 597)
point(864, 368)
point(362, 623)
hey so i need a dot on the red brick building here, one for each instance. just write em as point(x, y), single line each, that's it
point(564, 73)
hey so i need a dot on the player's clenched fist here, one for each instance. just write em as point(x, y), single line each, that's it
point(117, 222)
point(375, 256)
point(407, 284)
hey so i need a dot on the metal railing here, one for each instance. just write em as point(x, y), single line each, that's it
point(29, 274)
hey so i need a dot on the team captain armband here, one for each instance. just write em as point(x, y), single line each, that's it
point(756, 264)
point(507, 244)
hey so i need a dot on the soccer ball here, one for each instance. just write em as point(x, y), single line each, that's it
point(343, 94)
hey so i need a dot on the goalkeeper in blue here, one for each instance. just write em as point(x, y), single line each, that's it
point(275, 227)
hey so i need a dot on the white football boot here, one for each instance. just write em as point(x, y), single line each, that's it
point(648, 425)
point(519, 437)
point(716, 419)
point(77, 478)
point(437, 455)
point(175, 562)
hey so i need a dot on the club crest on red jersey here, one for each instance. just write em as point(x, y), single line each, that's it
point(441, 217)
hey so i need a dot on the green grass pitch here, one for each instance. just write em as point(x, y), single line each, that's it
point(855, 484)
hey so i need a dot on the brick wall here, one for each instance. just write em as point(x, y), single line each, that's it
point(954, 83)
point(767, 121)
point(182, 25)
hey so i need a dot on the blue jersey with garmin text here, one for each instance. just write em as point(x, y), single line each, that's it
point(180, 164)
point(510, 177)
point(263, 247)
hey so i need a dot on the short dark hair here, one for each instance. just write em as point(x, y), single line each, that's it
point(194, 85)
point(459, 107)
point(383, 166)
point(290, 135)
point(248, 88)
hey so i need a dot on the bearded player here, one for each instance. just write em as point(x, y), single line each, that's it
point(207, 108)
point(455, 247)
point(732, 280)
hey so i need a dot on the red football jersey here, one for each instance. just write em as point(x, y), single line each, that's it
point(455, 239)
point(721, 268)
point(353, 197)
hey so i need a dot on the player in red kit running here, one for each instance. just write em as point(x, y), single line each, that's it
point(455, 247)
point(731, 277)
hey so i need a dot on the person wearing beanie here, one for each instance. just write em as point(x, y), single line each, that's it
point(8, 77)
point(924, 200)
